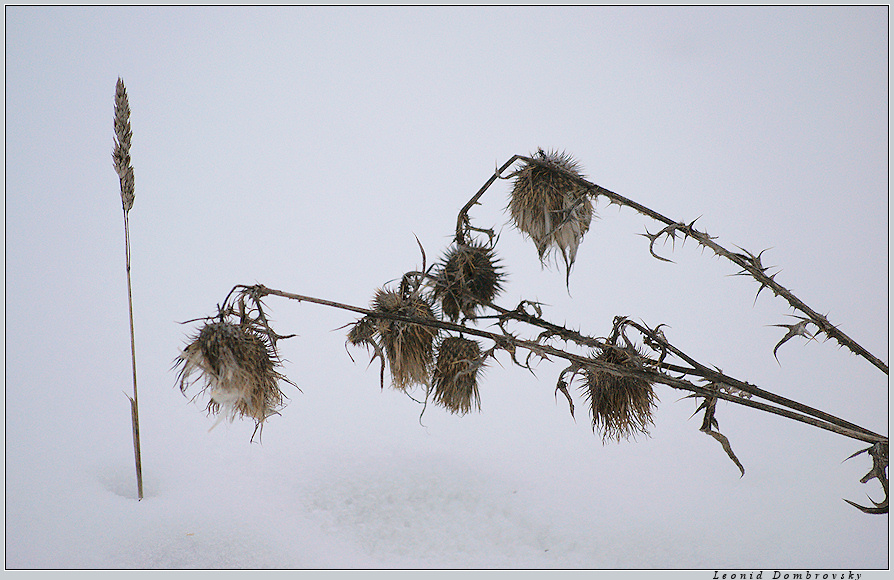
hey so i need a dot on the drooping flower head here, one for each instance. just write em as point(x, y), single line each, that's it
point(455, 378)
point(238, 367)
point(467, 277)
point(550, 205)
point(408, 347)
point(620, 405)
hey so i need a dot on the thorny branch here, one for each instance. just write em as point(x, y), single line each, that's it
point(616, 361)
point(510, 343)
point(716, 385)
point(750, 264)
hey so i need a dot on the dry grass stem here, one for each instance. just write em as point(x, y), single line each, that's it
point(121, 163)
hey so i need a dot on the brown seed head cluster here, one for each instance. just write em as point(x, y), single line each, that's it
point(408, 347)
point(468, 277)
point(620, 406)
point(550, 205)
point(455, 378)
point(121, 152)
point(239, 369)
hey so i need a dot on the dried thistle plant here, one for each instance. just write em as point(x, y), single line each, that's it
point(455, 377)
point(238, 366)
point(550, 205)
point(620, 405)
point(408, 347)
point(468, 277)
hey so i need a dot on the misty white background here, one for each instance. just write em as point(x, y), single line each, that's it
point(303, 148)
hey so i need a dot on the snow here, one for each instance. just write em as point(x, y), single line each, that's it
point(367, 486)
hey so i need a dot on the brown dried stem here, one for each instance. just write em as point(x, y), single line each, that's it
point(750, 263)
point(509, 342)
point(121, 163)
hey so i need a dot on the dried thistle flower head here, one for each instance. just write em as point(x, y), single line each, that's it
point(363, 332)
point(468, 277)
point(239, 369)
point(455, 378)
point(620, 406)
point(408, 347)
point(548, 204)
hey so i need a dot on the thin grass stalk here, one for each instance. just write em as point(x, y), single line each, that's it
point(134, 406)
point(121, 161)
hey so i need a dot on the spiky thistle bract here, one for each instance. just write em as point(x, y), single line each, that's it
point(549, 204)
point(620, 405)
point(408, 347)
point(238, 366)
point(468, 277)
point(455, 377)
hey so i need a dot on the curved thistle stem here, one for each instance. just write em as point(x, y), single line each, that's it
point(718, 377)
point(462, 220)
point(695, 368)
point(749, 263)
point(510, 342)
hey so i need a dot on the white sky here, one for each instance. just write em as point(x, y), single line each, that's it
point(303, 148)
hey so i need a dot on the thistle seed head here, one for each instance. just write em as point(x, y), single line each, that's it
point(408, 347)
point(620, 406)
point(455, 378)
point(467, 277)
point(362, 332)
point(239, 369)
point(548, 204)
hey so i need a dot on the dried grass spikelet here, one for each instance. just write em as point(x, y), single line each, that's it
point(121, 151)
point(467, 277)
point(239, 369)
point(550, 206)
point(455, 377)
point(620, 406)
point(408, 347)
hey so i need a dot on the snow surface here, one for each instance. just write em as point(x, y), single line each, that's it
point(344, 484)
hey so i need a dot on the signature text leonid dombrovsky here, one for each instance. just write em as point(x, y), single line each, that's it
point(780, 575)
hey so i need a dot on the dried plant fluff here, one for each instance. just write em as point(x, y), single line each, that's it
point(548, 204)
point(363, 332)
point(239, 371)
point(620, 406)
point(408, 347)
point(455, 378)
point(467, 277)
